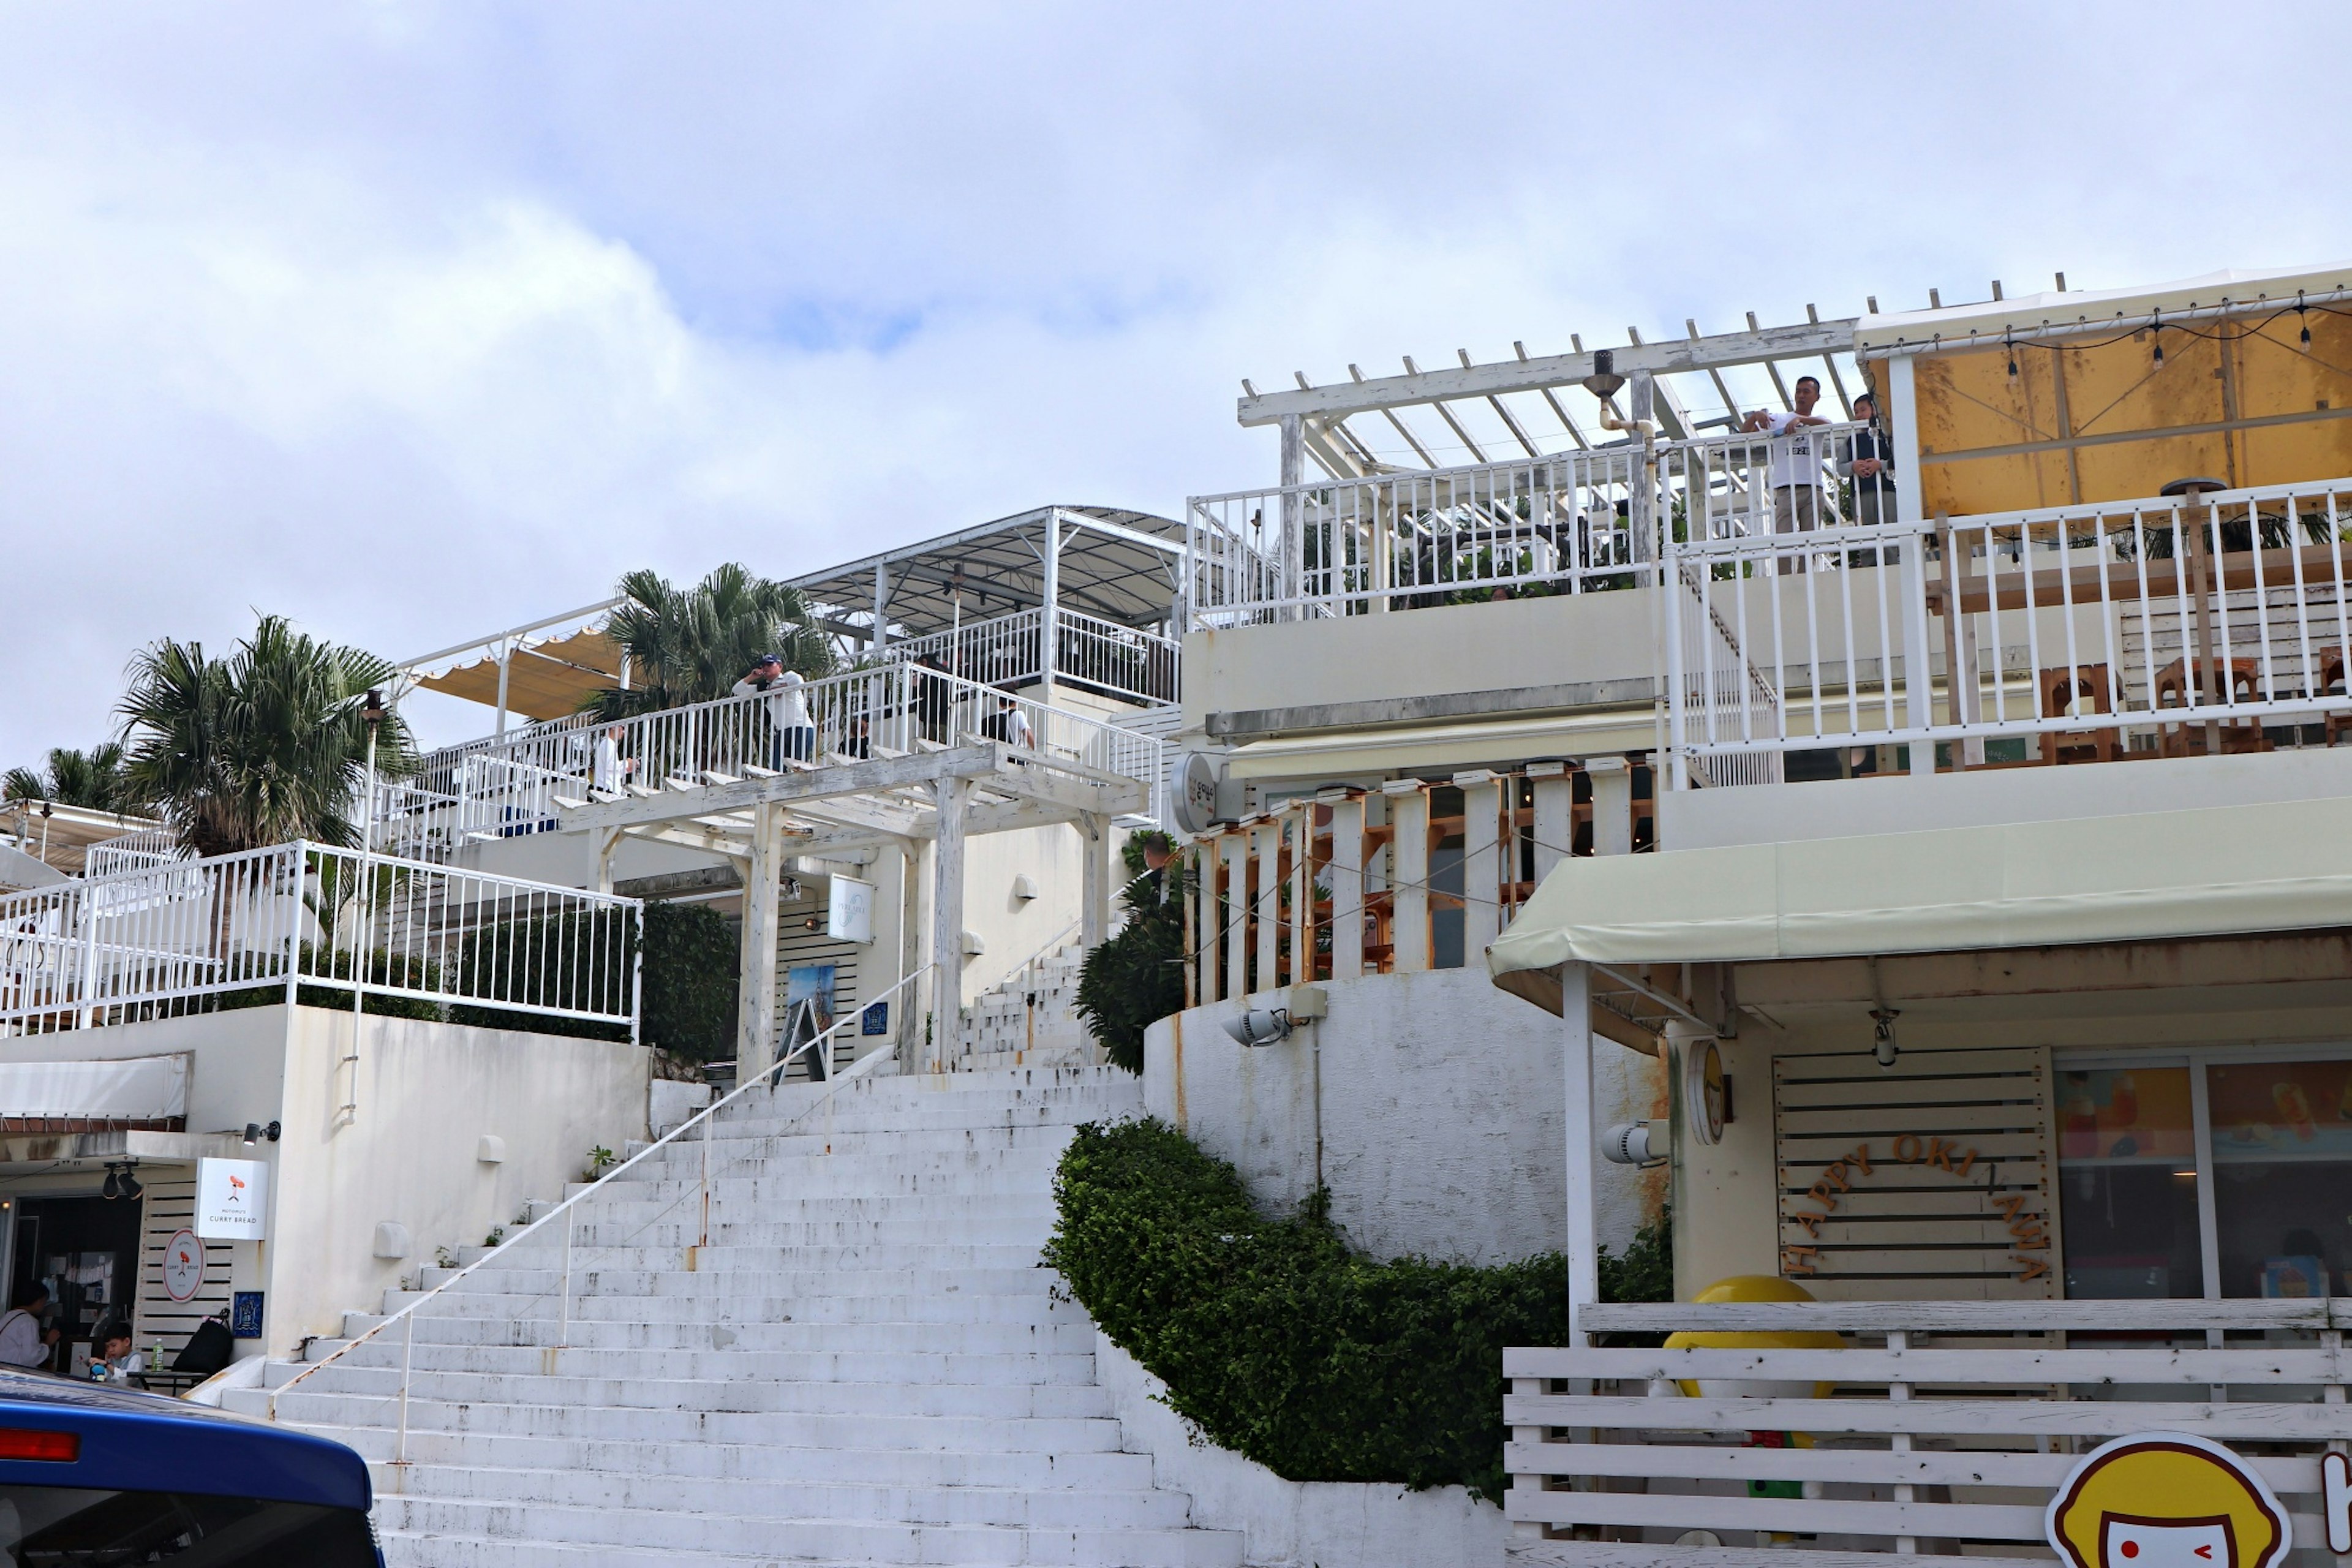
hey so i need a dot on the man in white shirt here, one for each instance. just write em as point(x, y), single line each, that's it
point(1795, 472)
point(23, 1341)
point(795, 732)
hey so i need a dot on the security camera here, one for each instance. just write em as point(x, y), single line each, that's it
point(1260, 1025)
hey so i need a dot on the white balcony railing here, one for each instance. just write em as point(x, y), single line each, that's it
point(1938, 1424)
point(1574, 522)
point(1101, 656)
point(264, 925)
point(496, 789)
point(2098, 632)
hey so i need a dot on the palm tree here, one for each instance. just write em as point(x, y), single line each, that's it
point(265, 746)
point(690, 644)
point(92, 779)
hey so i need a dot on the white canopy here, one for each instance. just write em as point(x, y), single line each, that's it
point(2216, 870)
point(129, 1088)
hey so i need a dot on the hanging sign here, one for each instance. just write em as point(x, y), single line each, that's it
point(849, 910)
point(2165, 1499)
point(184, 1265)
point(232, 1199)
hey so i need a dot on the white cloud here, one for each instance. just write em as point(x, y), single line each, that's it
point(413, 319)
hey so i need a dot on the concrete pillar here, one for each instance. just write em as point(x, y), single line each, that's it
point(1095, 853)
point(952, 794)
point(1485, 852)
point(755, 1038)
point(909, 1002)
point(1346, 885)
point(1049, 622)
point(1613, 806)
point(1408, 875)
point(1555, 812)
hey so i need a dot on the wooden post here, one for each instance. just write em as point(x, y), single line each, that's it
point(1554, 811)
point(1188, 863)
point(952, 794)
point(910, 1003)
point(755, 1011)
point(1959, 672)
point(1346, 885)
point(1208, 944)
point(1235, 848)
point(1265, 901)
point(1293, 568)
point(2203, 681)
point(1409, 874)
point(1482, 861)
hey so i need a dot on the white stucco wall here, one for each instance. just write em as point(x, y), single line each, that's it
point(1296, 1525)
point(1440, 1117)
point(426, 1095)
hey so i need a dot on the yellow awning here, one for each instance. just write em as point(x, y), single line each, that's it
point(2213, 871)
point(546, 681)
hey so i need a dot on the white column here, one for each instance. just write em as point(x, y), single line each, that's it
point(1583, 1192)
point(1293, 449)
point(1235, 848)
point(1408, 876)
point(755, 1038)
point(909, 1002)
point(1909, 499)
point(953, 796)
point(881, 638)
point(1302, 894)
point(1266, 839)
point(506, 659)
point(1554, 825)
point(1096, 851)
point(1483, 859)
point(1346, 886)
point(1613, 806)
point(1049, 620)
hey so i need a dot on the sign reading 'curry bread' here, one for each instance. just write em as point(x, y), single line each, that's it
point(1933, 1178)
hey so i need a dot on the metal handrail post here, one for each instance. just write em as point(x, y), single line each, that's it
point(407, 1361)
point(564, 1319)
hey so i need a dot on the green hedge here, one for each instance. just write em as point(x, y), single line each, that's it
point(689, 999)
point(582, 962)
point(1136, 977)
point(1275, 1339)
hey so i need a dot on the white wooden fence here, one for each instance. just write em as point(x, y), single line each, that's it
point(1940, 1427)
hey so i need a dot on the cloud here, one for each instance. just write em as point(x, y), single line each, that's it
point(416, 320)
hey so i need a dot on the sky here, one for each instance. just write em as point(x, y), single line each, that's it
point(415, 320)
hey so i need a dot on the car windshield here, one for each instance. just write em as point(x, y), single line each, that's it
point(55, 1527)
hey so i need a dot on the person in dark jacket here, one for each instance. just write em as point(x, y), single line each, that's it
point(1867, 457)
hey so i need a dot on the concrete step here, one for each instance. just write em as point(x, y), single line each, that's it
point(1070, 1337)
point(829, 1540)
point(760, 1307)
point(998, 1401)
point(574, 1360)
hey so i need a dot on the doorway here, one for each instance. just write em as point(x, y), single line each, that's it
point(86, 1250)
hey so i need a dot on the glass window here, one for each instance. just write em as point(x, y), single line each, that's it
point(2282, 1175)
point(69, 1526)
point(2128, 1182)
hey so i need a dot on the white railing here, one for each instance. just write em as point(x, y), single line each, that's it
point(1640, 1447)
point(2081, 633)
point(549, 1242)
point(502, 789)
point(142, 851)
point(1009, 650)
point(1573, 522)
point(297, 920)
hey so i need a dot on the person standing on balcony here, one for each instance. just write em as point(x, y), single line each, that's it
point(1795, 471)
point(1010, 725)
point(1867, 457)
point(787, 709)
point(607, 769)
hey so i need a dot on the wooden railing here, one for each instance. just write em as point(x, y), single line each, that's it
point(1344, 883)
point(1939, 1426)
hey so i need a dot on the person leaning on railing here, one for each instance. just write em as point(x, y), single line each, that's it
point(787, 710)
point(1795, 476)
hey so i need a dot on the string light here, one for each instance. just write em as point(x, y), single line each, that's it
point(2302, 317)
point(2011, 345)
point(2160, 339)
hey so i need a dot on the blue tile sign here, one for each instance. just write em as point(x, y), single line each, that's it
point(244, 1315)
point(875, 1020)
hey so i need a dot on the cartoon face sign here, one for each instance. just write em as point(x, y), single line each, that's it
point(2165, 1499)
point(2164, 1543)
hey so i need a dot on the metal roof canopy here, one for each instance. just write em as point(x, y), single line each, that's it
point(1115, 563)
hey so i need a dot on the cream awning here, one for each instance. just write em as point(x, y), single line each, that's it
point(1334, 754)
point(2215, 871)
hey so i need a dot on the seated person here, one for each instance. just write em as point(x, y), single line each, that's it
point(112, 1359)
point(25, 1341)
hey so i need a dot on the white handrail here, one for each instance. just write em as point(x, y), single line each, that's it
point(406, 1315)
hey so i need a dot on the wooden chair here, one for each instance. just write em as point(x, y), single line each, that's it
point(2063, 696)
point(2173, 684)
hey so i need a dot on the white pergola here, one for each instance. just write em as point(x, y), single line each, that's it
point(939, 794)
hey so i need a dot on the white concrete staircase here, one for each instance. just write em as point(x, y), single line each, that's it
point(1030, 1020)
point(866, 1364)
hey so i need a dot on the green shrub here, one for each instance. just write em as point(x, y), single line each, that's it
point(576, 961)
point(688, 998)
point(1274, 1339)
point(1136, 977)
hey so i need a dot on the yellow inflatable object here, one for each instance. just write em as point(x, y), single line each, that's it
point(1754, 1288)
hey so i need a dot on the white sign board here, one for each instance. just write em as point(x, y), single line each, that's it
point(232, 1199)
point(184, 1265)
point(849, 913)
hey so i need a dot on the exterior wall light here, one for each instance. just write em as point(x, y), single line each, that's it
point(1882, 1035)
